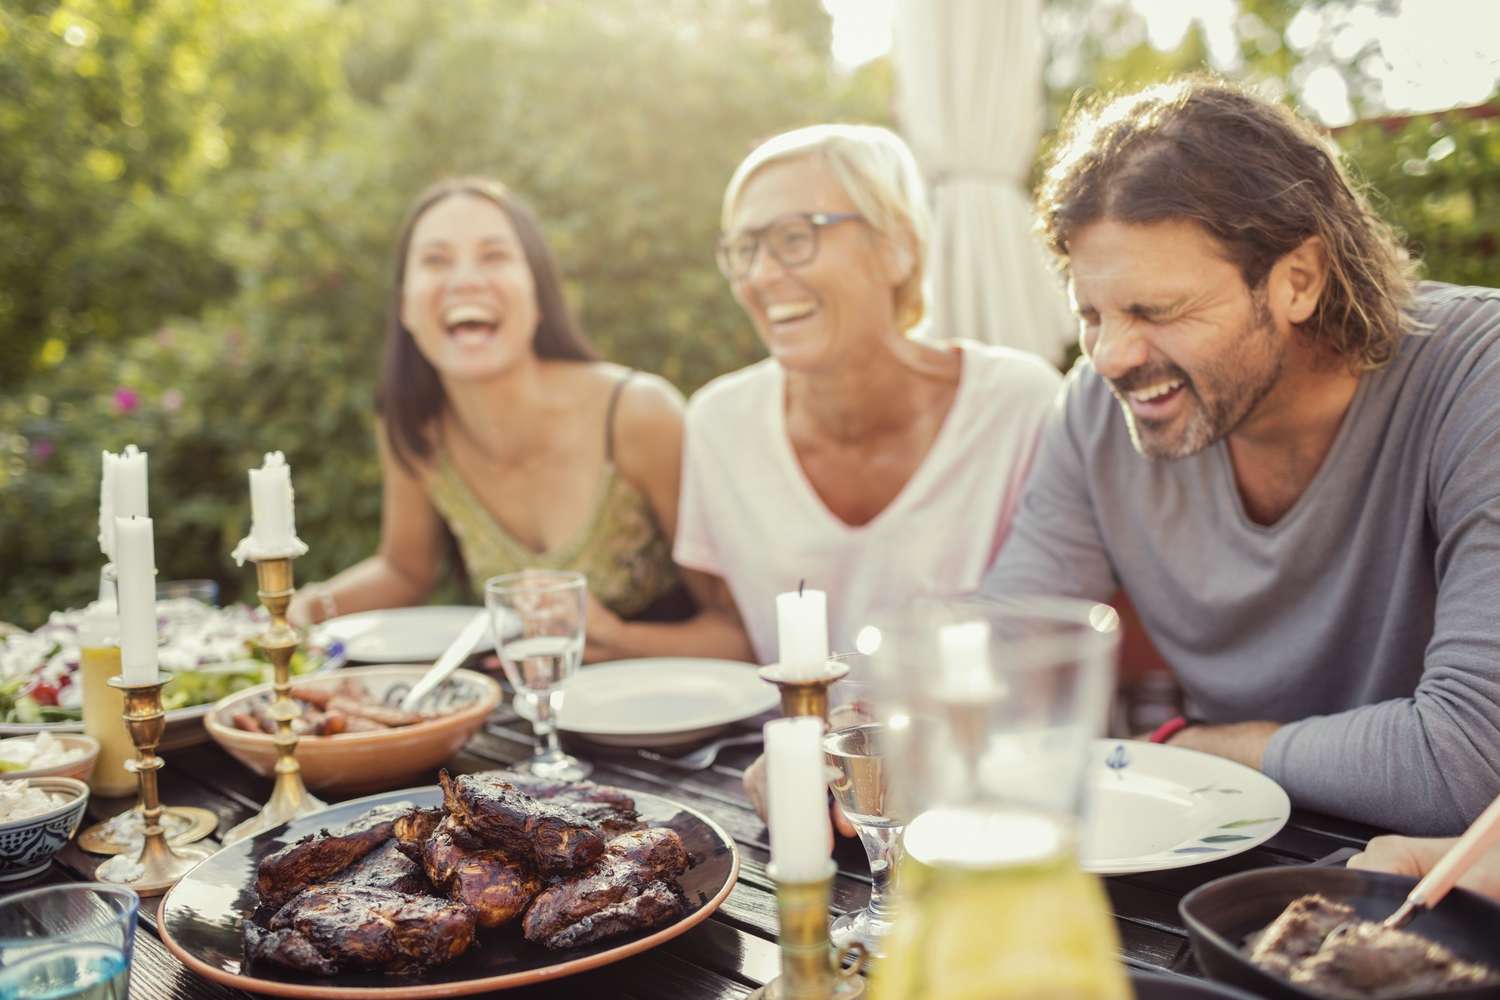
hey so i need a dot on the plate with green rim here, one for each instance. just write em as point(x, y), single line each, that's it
point(1154, 807)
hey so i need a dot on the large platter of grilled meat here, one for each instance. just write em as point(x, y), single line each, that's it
point(487, 881)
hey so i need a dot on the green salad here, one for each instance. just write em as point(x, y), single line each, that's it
point(210, 652)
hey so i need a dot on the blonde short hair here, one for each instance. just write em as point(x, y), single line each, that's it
point(880, 175)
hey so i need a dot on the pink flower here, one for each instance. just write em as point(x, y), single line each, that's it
point(42, 449)
point(126, 399)
point(171, 401)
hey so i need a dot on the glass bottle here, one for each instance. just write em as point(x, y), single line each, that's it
point(104, 706)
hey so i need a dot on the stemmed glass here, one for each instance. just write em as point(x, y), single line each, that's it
point(853, 748)
point(539, 618)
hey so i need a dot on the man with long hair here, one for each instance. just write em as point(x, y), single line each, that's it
point(1284, 448)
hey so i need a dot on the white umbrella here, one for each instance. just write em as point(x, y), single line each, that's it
point(969, 97)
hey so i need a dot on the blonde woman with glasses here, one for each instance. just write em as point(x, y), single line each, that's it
point(866, 460)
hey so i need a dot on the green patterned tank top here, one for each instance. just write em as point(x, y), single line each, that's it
point(621, 548)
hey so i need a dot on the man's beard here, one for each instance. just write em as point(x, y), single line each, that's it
point(1232, 387)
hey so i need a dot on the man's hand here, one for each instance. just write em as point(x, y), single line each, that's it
point(1242, 742)
point(1415, 856)
point(755, 787)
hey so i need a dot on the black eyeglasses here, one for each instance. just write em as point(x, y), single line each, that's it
point(791, 239)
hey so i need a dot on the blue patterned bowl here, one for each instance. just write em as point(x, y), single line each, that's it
point(27, 845)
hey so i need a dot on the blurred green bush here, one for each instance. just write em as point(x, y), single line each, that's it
point(1437, 177)
point(619, 123)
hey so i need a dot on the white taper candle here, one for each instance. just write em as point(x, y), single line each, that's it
point(797, 798)
point(802, 633)
point(964, 661)
point(135, 569)
point(122, 493)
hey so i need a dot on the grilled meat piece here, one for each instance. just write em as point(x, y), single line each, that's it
point(656, 904)
point(413, 829)
point(374, 712)
point(351, 699)
point(612, 808)
point(1298, 932)
point(1364, 959)
point(1324, 947)
point(386, 867)
point(322, 855)
point(489, 880)
point(332, 928)
point(627, 889)
point(552, 837)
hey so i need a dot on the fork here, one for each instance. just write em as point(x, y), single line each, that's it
point(704, 756)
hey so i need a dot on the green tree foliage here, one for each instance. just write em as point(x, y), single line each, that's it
point(1435, 176)
point(119, 120)
point(619, 122)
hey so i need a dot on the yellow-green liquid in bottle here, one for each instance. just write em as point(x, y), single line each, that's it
point(992, 905)
point(104, 720)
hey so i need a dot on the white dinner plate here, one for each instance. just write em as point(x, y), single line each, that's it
point(402, 635)
point(660, 702)
point(1155, 807)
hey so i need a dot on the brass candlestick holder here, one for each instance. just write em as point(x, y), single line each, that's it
point(804, 695)
point(159, 865)
point(810, 970)
point(289, 797)
point(180, 824)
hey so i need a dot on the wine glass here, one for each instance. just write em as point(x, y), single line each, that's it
point(990, 709)
point(538, 618)
point(853, 748)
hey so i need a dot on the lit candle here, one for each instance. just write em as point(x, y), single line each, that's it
point(797, 799)
point(135, 571)
point(802, 633)
point(964, 657)
point(122, 493)
point(273, 530)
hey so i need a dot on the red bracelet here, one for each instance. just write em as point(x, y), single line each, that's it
point(1168, 729)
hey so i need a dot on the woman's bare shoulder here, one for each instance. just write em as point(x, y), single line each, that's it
point(401, 458)
point(648, 427)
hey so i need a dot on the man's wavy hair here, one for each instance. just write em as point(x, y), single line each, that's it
point(1257, 177)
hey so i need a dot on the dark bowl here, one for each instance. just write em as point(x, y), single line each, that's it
point(1148, 986)
point(1221, 914)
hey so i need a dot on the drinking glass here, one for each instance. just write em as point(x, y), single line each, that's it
point(853, 748)
point(989, 710)
point(67, 941)
point(539, 617)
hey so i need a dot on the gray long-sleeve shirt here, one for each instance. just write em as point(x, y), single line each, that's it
point(1367, 618)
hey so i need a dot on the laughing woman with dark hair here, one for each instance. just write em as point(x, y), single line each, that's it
point(500, 426)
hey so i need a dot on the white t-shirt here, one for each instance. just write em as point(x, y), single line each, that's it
point(749, 515)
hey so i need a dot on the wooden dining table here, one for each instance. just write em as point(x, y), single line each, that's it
point(731, 953)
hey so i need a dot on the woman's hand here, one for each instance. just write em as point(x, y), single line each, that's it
point(755, 788)
point(603, 628)
point(1415, 856)
point(313, 603)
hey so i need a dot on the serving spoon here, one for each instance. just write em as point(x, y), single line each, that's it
point(458, 650)
point(1481, 835)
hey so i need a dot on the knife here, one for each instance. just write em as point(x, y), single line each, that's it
point(458, 651)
